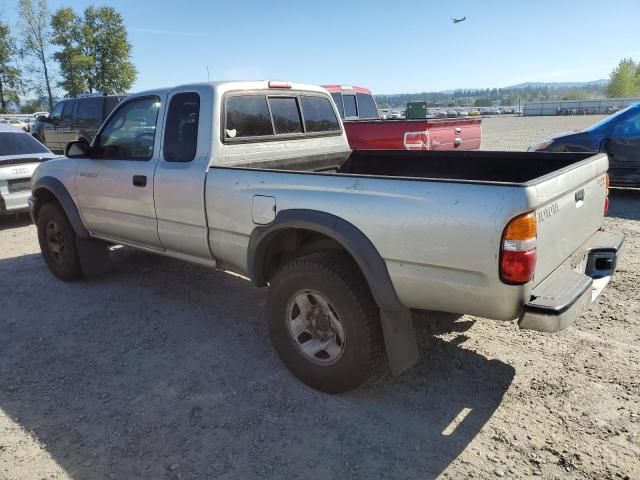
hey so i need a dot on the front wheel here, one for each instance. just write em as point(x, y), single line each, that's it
point(58, 243)
point(324, 322)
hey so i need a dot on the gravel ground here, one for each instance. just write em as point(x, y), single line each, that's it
point(163, 369)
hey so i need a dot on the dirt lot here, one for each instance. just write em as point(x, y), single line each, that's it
point(162, 370)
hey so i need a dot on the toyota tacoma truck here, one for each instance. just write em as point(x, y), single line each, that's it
point(367, 131)
point(257, 178)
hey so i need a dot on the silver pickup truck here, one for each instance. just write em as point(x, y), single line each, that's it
point(257, 178)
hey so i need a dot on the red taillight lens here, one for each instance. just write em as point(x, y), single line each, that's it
point(518, 267)
point(606, 205)
point(518, 255)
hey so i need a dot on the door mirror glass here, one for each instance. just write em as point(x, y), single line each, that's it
point(79, 149)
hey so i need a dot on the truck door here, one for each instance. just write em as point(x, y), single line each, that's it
point(624, 151)
point(115, 185)
point(180, 176)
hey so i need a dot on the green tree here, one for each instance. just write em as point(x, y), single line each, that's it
point(9, 73)
point(482, 102)
point(35, 26)
point(624, 80)
point(577, 95)
point(34, 105)
point(95, 54)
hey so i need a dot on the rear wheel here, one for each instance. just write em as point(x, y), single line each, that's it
point(58, 243)
point(324, 323)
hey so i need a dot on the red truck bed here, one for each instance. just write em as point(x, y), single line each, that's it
point(366, 131)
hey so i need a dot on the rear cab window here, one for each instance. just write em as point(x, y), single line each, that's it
point(19, 144)
point(367, 108)
point(350, 106)
point(264, 116)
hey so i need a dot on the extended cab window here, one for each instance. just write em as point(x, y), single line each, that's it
point(181, 132)
point(318, 114)
point(247, 116)
point(285, 113)
point(367, 106)
point(130, 132)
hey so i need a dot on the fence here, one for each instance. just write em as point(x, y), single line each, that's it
point(582, 107)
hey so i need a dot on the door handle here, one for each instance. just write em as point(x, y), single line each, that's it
point(140, 180)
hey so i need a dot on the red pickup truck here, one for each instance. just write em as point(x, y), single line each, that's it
point(366, 131)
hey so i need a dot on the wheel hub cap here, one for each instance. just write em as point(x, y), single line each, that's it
point(315, 327)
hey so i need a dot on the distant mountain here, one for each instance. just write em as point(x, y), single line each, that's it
point(595, 83)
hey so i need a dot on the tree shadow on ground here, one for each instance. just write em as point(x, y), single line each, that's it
point(163, 369)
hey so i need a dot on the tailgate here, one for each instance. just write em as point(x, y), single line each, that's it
point(571, 210)
point(455, 134)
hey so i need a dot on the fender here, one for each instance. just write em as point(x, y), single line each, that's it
point(56, 188)
point(397, 327)
point(346, 234)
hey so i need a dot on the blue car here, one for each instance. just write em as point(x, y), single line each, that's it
point(618, 135)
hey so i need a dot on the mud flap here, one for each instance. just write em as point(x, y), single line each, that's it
point(93, 256)
point(399, 339)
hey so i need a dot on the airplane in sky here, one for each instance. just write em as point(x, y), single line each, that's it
point(458, 20)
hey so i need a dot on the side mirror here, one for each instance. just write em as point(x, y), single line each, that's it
point(78, 149)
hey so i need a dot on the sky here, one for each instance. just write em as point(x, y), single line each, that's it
point(388, 46)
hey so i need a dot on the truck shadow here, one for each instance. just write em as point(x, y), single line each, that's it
point(14, 220)
point(164, 370)
point(624, 203)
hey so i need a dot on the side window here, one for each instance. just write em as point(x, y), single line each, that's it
point(57, 111)
point(337, 98)
point(350, 109)
point(367, 106)
point(318, 114)
point(110, 104)
point(247, 116)
point(181, 131)
point(130, 132)
point(285, 114)
point(67, 113)
point(90, 112)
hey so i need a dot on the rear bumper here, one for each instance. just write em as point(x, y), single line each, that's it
point(562, 297)
point(14, 202)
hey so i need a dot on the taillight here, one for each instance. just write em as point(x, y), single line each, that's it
point(518, 254)
point(606, 193)
point(416, 141)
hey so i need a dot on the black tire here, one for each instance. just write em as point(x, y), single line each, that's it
point(337, 279)
point(58, 243)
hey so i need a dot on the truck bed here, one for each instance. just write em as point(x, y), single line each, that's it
point(518, 168)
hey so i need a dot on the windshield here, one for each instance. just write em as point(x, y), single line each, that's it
point(19, 144)
point(608, 119)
